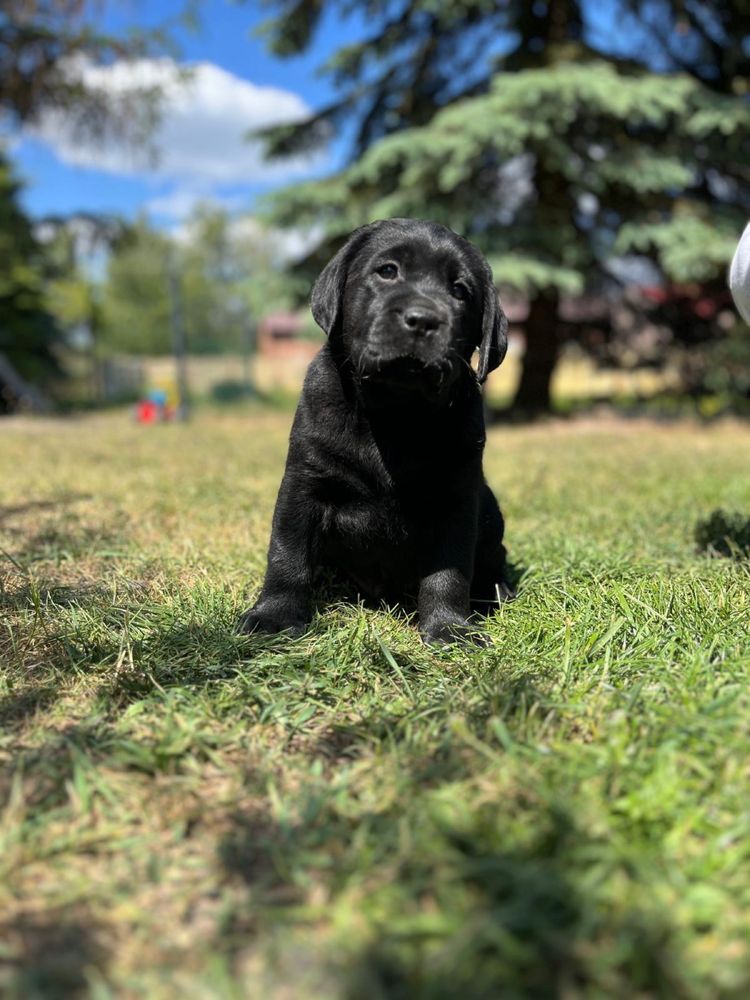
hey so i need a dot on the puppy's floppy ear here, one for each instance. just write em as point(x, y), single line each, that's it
point(327, 294)
point(494, 342)
point(328, 291)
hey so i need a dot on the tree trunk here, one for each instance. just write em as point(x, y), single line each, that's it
point(540, 357)
point(15, 391)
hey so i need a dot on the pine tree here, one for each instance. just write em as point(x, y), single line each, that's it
point(554, 156)
point(28, 334)
point(44, 44)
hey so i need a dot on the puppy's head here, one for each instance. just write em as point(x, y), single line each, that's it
point(410, 302)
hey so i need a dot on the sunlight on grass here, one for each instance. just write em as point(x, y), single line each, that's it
point(192, 814)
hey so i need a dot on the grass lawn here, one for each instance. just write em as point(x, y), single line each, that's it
point(184, 813)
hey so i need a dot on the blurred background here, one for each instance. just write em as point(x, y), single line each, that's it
point(174, 174)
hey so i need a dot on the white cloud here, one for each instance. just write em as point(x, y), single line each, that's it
point(286, 244)
point(180, 203)
point(282, 245)
point(200, 141)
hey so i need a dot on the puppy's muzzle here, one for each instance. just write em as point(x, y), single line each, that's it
point(420, 319)
point(408, 348)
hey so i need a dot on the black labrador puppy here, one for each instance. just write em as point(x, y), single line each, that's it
point(383, 480)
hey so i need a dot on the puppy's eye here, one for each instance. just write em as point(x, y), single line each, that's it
point(459, 291)
point(388, 271)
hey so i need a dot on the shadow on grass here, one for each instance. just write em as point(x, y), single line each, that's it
point(515, 572)
point(49, 768)
point(31, 597)
point(258, 850)
point(528, 934)
point(452, 912)
point(724, 533)
point(17, 510)
point(38, 659)
point(19, 706)
point(53, 543)
point(59, 534)
point(176, 655)
point(58, 635)
point(50, 957)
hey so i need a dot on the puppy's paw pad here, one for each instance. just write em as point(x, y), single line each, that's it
point(255, 622)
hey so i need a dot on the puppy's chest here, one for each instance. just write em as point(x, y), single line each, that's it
point(365, 503)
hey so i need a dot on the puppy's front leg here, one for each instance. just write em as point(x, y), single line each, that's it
point(443, 601)
point(285, 601)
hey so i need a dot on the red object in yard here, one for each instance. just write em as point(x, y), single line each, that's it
point(148, 412)
point(654, 293)
point(705, 308)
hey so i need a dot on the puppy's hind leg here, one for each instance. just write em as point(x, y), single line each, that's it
point(490, 585)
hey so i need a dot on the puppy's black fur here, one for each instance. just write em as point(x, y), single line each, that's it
point(383, 480)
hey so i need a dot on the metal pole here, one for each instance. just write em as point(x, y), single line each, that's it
point(179, 340)
point(248, 342)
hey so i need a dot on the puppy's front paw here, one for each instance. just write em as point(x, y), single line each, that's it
point(445, 631)
point(271, 621)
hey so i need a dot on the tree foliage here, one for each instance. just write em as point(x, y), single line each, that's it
point(703, 38)
point(542, 173)
point(45, 48)
point(226, 272)
point(415, 57)
point(135, 300)
point(557, 147)
point(28, 334)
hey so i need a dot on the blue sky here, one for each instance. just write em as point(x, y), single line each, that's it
point(236, 84)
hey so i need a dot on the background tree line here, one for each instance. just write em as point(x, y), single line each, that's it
point(565, 137)
point(93, 287)
point(40, 44)
point(571, 140)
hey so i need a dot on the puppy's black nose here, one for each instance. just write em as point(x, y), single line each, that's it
point(420, 319)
